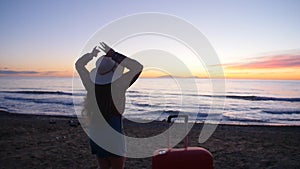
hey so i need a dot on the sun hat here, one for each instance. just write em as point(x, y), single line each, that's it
point(106, 71)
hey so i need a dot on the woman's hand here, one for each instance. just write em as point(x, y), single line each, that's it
point(95, 51)
point(106, 49)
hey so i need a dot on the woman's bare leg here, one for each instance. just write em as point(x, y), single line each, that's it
point(117, 162)
point(103, 163)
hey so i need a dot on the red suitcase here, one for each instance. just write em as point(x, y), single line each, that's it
point(183, 158)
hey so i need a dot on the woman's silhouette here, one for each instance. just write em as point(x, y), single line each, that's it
point(106, 86)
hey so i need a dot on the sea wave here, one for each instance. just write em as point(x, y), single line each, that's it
point(281, 112)
point(142, 105)
point(39, 92)
point(47, 101)
point(240, 97)
point(254, 98)
point(261, 98)
point(191, 115)
point(244, 120)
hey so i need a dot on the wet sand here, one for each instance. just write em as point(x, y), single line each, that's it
point(29, 141)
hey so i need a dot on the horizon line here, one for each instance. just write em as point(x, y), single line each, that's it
point(156, 77)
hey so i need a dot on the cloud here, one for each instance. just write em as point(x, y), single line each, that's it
point(13, 72)
point(7, 72)
point(291, 60)
point(50, 73)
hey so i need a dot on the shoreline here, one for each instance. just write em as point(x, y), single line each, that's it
point(146, 121)
point(39, 141)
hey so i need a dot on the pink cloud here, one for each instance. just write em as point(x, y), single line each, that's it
point(267, 62)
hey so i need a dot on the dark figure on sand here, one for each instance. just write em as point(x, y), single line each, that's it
point(106, 86)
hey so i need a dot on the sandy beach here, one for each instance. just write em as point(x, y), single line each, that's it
point(29, 141)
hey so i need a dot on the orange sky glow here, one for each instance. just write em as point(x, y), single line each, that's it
point(279, 67)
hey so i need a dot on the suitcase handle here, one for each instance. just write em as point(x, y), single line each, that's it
point(186, 122)
point(177, 116)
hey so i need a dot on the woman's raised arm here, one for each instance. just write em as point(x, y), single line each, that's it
point(82, 71)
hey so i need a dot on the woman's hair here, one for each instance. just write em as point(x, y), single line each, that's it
point(86, 111)
point(89, 107)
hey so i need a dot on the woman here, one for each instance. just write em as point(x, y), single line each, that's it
point(106, 86)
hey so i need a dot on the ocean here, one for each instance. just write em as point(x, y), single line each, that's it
point(245, 102)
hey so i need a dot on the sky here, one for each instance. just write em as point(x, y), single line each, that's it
point(256, 39)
